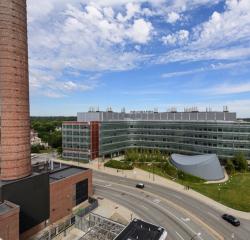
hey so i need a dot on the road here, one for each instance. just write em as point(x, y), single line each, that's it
point(184, 217)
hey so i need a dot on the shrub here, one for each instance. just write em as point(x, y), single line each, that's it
point(240, 162)
point(119, 165)
point(188, 177)
point(37, 148)
point(230, 167)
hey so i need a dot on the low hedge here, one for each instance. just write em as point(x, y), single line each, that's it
point(119, 165)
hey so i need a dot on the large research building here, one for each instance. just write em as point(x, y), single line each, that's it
point(101, 134)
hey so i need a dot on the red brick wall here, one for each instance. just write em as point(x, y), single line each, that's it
point(9, 224)
point(94, 136)
point(29, 233)
point(14, 91)
point(61, 195)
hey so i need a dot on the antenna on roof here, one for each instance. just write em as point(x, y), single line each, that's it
point(91, 109)
point(225, 108)
point(109, 109)
point(173, 109)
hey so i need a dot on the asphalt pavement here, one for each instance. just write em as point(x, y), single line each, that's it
point(184, 217)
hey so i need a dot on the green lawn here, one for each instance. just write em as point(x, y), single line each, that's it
point(235, 193)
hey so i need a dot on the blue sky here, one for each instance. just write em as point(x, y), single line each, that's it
point(139, 55)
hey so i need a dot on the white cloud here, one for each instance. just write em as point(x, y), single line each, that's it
point(141, 31)
point(225, 36)
point(180, 37)
point(227, 88)
point(106, 35)
point(172, 17)
point(131, 10)
point(49, 84)
point(182, 73)
point(225, 28)
point(73, 38)
point(52, 94)
point(211, 67)
point(240, 106)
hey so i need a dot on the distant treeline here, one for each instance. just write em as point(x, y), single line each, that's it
point(48, 129)
point(51, 118)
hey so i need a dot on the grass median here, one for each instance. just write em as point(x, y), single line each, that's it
point(235, 193)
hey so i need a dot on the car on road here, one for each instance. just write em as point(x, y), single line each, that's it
point(231, 219)
point(140, 185)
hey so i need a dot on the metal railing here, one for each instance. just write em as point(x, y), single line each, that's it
point(93, 205)
point(64, 227)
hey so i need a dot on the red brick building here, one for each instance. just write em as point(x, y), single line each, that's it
point(9, 221)
point(64, 184)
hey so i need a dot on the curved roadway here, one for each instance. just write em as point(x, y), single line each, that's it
point(184, 217)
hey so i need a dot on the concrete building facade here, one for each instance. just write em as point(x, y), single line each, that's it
point(174, 132)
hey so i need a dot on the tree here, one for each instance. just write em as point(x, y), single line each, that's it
point(230, 166)
point(59, 151)
point(240, 162)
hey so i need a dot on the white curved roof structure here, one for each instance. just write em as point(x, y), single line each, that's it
point(204, 166)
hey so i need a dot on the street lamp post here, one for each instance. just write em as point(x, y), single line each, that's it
point(219, 192)
point(153, 173)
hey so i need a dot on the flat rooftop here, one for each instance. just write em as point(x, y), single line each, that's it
point(156, 116)
point(6, 207)
point(140, 230)
point(56, 170)
point(61, 171)
point(64, 173)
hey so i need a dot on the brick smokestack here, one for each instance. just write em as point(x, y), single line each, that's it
point(14, 91)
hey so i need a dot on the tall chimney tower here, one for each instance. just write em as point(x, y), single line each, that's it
point(14, 91)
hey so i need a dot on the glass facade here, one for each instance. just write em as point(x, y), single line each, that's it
point(76, 141)
point(223, 138)
point(190, 137)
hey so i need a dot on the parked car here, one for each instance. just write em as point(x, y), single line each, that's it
point(231, 219)
point(140, 185)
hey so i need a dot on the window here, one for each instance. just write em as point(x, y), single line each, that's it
point(81, 191)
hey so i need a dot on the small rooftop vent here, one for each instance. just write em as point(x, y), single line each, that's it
point(173, 109)
point(109, 109)
point(91, 109)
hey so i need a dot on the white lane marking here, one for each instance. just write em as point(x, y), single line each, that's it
point(144, 207)
point(185, 219)
point(177, 196)
point(164, 210)
point(156, 201)
point(179, 235)
point(214, 216)
point(108, 185)
point(123, 180)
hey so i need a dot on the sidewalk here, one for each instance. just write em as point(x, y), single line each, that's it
point(114, 211)
point(144, 176)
